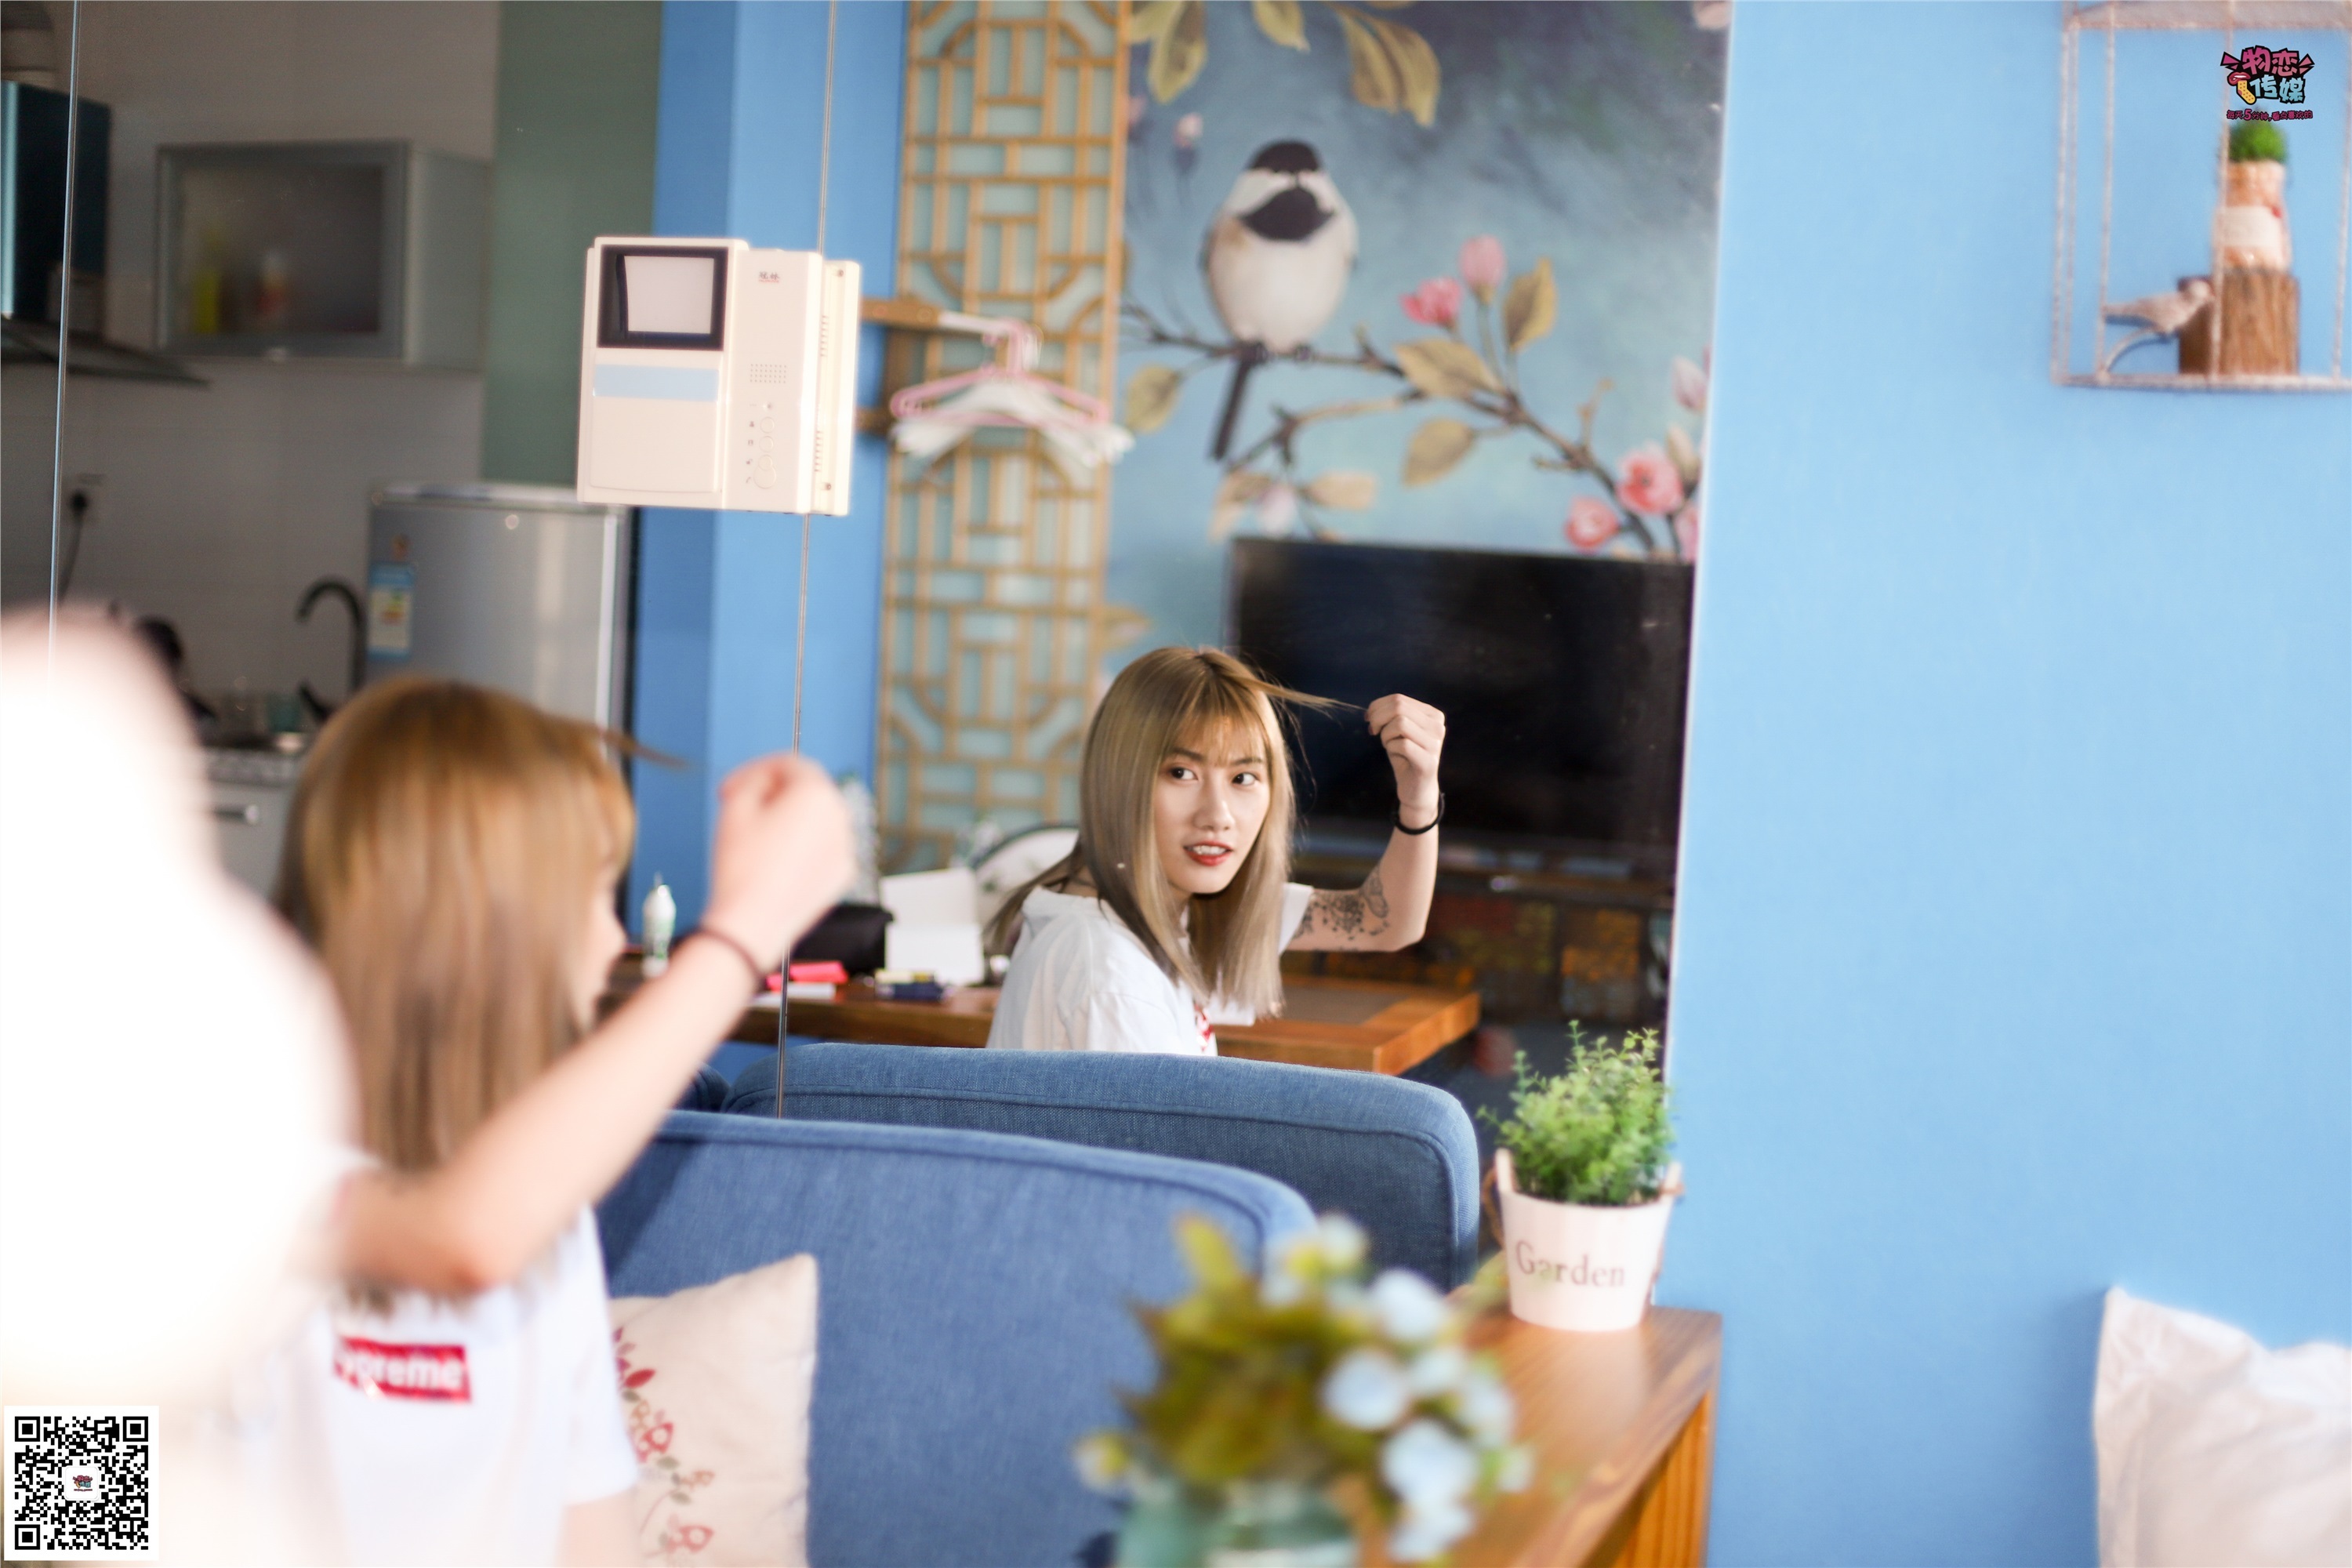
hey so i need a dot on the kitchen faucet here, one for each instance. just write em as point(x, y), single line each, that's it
point(335, 587)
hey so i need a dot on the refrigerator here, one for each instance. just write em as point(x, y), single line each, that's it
point(522, 587)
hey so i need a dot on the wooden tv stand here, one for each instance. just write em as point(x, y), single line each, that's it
point(1538, 945)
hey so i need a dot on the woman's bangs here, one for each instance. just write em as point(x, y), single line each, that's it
point(1228, 723)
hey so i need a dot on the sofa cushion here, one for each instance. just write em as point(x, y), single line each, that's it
point(709, 1091)
point(974, 1318)
point(714, 1384)
point(2213, 1448)
point(1399, 1157)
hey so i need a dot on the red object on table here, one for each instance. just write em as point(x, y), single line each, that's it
point(826, 973)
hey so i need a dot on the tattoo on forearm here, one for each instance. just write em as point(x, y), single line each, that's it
point(1361, 913)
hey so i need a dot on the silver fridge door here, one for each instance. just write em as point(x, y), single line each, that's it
point(515, 586)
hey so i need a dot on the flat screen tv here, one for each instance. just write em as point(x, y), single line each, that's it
point(1562, 679)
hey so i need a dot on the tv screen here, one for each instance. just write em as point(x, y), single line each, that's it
point(1561, 679)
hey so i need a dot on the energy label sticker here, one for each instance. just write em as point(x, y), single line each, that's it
point(391, 603)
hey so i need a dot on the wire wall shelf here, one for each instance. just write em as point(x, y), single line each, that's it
point(2150, 257)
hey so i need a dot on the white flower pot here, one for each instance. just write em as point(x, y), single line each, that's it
point(1576, 1266)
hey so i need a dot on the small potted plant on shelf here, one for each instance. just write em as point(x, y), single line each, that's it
point(1586, 1187)
point(1297, 1416)
point(2252, 325)
point(2250, 230)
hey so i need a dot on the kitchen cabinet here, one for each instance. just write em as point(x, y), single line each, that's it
point(368, 250)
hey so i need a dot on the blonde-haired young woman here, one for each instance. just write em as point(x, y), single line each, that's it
point(1172, 913)
point(452, 858)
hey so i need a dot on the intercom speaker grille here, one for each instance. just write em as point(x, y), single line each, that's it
point(767, 372)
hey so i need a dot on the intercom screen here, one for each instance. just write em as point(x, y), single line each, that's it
point(670, 295)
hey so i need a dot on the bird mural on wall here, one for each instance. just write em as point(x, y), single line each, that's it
point(1278, 258)
point(1395, 392)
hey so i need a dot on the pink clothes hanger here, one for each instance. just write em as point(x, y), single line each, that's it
point(1018, 344)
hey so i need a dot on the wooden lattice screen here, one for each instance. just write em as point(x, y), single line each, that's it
point(994, 625)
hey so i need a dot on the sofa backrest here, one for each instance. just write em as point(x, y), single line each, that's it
point(974, 1309)
point(1398, 1157)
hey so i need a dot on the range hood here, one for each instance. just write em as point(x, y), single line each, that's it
point(35, 286)
point(87, 353)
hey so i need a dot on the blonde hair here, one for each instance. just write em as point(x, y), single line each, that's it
point(444, 843)
point(1228, 946)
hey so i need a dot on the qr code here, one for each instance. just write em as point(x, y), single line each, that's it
point(80, 1481)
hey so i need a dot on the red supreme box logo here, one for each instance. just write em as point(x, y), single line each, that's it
point(404, 1372)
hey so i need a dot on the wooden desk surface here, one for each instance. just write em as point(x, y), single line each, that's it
point(1359, 1025)
point(1623, 1427)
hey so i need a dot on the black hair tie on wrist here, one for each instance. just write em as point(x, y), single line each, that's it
point(758, 976)
point(1396, 816)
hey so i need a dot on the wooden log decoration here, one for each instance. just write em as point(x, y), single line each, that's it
point(2261, 324)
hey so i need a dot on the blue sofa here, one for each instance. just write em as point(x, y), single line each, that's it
point(1399, 1157)
point(974, 1309)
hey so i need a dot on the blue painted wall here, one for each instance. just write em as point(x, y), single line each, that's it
point(742, 97)
point(2017, 883)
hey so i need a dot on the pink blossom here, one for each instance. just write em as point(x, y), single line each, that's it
point(1690, 384)
point(1435, 304)
point(1277, 508)
point(1647, 482)
point(1687, 531)
point(1188, 131)
point(1591, 522)
point(1482, 265)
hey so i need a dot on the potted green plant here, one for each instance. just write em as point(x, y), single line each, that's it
point(1585, 1184)
point(2250, 230)
point(1293, 1412)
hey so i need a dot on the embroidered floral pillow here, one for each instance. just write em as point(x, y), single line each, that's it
point(714, 1384)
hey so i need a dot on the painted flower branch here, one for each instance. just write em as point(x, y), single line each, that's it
point(1391, 67)
point(1650, 497)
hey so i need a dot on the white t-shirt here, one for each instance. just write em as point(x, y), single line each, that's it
point(1081, 980)
point(448, 1432)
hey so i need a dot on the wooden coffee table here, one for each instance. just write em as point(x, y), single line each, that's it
point(1361, 1025)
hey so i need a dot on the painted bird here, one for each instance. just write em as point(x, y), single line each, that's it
point(1278, 258)
point(2159, 316)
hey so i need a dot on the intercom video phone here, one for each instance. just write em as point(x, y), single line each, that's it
point(715, 374)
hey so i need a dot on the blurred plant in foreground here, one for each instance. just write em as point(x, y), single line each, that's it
point(1354, 1396)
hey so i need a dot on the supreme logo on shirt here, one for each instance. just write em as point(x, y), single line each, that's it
point(404, 1372)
